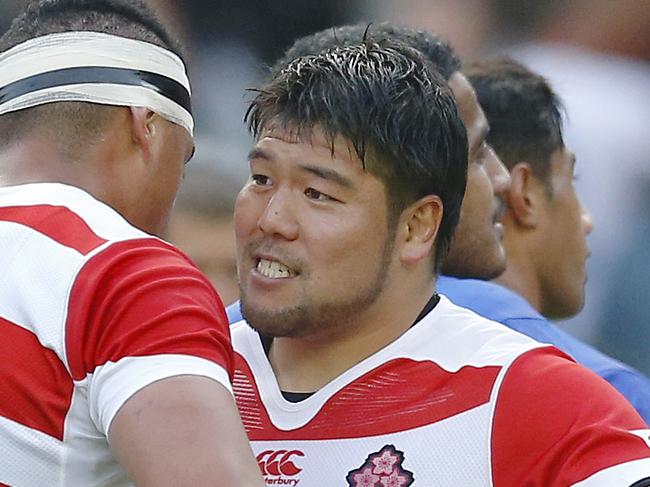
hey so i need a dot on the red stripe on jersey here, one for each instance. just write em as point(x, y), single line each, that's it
point(56, 222)
point(139, 298)
point(557, 423)
point(36, 387)
point(400, 395)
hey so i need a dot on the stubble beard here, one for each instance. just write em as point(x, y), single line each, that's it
point(317, 316)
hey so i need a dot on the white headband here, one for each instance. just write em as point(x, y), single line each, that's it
point(96, 68)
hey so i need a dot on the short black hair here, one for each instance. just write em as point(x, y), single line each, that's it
point(124, 18)
point(524, 113)
point(434, 49)
point(76, 121)
point(398, 114)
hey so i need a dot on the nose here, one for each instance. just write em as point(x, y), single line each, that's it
point(278, 218)
point(587, 220)
point(497, 171)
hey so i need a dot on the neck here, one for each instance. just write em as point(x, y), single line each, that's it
point(306, 364)
point(520, 275)
point(33, 161)
point(41, 159)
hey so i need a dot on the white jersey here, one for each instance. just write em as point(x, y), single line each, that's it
point(457, 400)
point(90, 313)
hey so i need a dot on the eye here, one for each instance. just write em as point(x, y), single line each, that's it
point(316, 195)
point(260, 180)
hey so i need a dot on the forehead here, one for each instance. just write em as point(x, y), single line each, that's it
point(470, 111)
point(312, 146)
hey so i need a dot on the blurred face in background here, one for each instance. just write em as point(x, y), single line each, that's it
point(477, 249)
point(562, 241)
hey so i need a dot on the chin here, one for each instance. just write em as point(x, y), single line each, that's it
point(566, 309)
point(485, 260)
point(272, 322)
point(490, 268)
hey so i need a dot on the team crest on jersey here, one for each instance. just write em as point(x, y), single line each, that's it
point(382, 469)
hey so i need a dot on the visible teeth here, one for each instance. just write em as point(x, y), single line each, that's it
point(272, 269)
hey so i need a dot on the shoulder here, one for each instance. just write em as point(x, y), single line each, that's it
point(72, 208)
point(488, 299)
point(464, 338)
point(547, 405)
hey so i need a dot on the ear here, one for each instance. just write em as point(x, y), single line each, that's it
point(420, 225)
point(144, 130)
point(523, 196)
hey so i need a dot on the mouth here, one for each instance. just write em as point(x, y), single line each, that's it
point(273, 269)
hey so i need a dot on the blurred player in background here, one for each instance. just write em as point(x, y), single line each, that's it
point(116, 349)
point(355, 371)
point(546, 226)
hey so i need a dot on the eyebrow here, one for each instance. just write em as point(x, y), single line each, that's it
point(321, 172)
point(257, 153)
point(328, 174)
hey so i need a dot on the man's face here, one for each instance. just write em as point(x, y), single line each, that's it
point(313, 245)
point(564, 227)
point(476, 249)
point(156, 189)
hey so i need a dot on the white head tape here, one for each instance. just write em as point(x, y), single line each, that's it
point(96, 68)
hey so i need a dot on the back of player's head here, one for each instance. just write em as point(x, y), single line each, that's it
point(524, 113)
point(400, 117)
point(74, 120)
point(435, 50)
point(125, 18)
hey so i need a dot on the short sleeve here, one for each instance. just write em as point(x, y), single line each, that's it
point(558, 424)
point(140, 311)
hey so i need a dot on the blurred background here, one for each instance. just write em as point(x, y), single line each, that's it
point(596, 53)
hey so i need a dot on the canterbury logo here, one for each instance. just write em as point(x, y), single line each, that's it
point(279, 462)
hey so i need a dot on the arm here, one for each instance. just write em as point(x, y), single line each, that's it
point(147, 335)
point(183, 431)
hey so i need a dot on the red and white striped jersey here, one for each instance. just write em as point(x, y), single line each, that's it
point(91, 310)
point(456, 400)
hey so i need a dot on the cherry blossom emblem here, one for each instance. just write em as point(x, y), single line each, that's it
point(381, 469)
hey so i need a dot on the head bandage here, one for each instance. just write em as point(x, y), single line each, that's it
point(96, 68)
